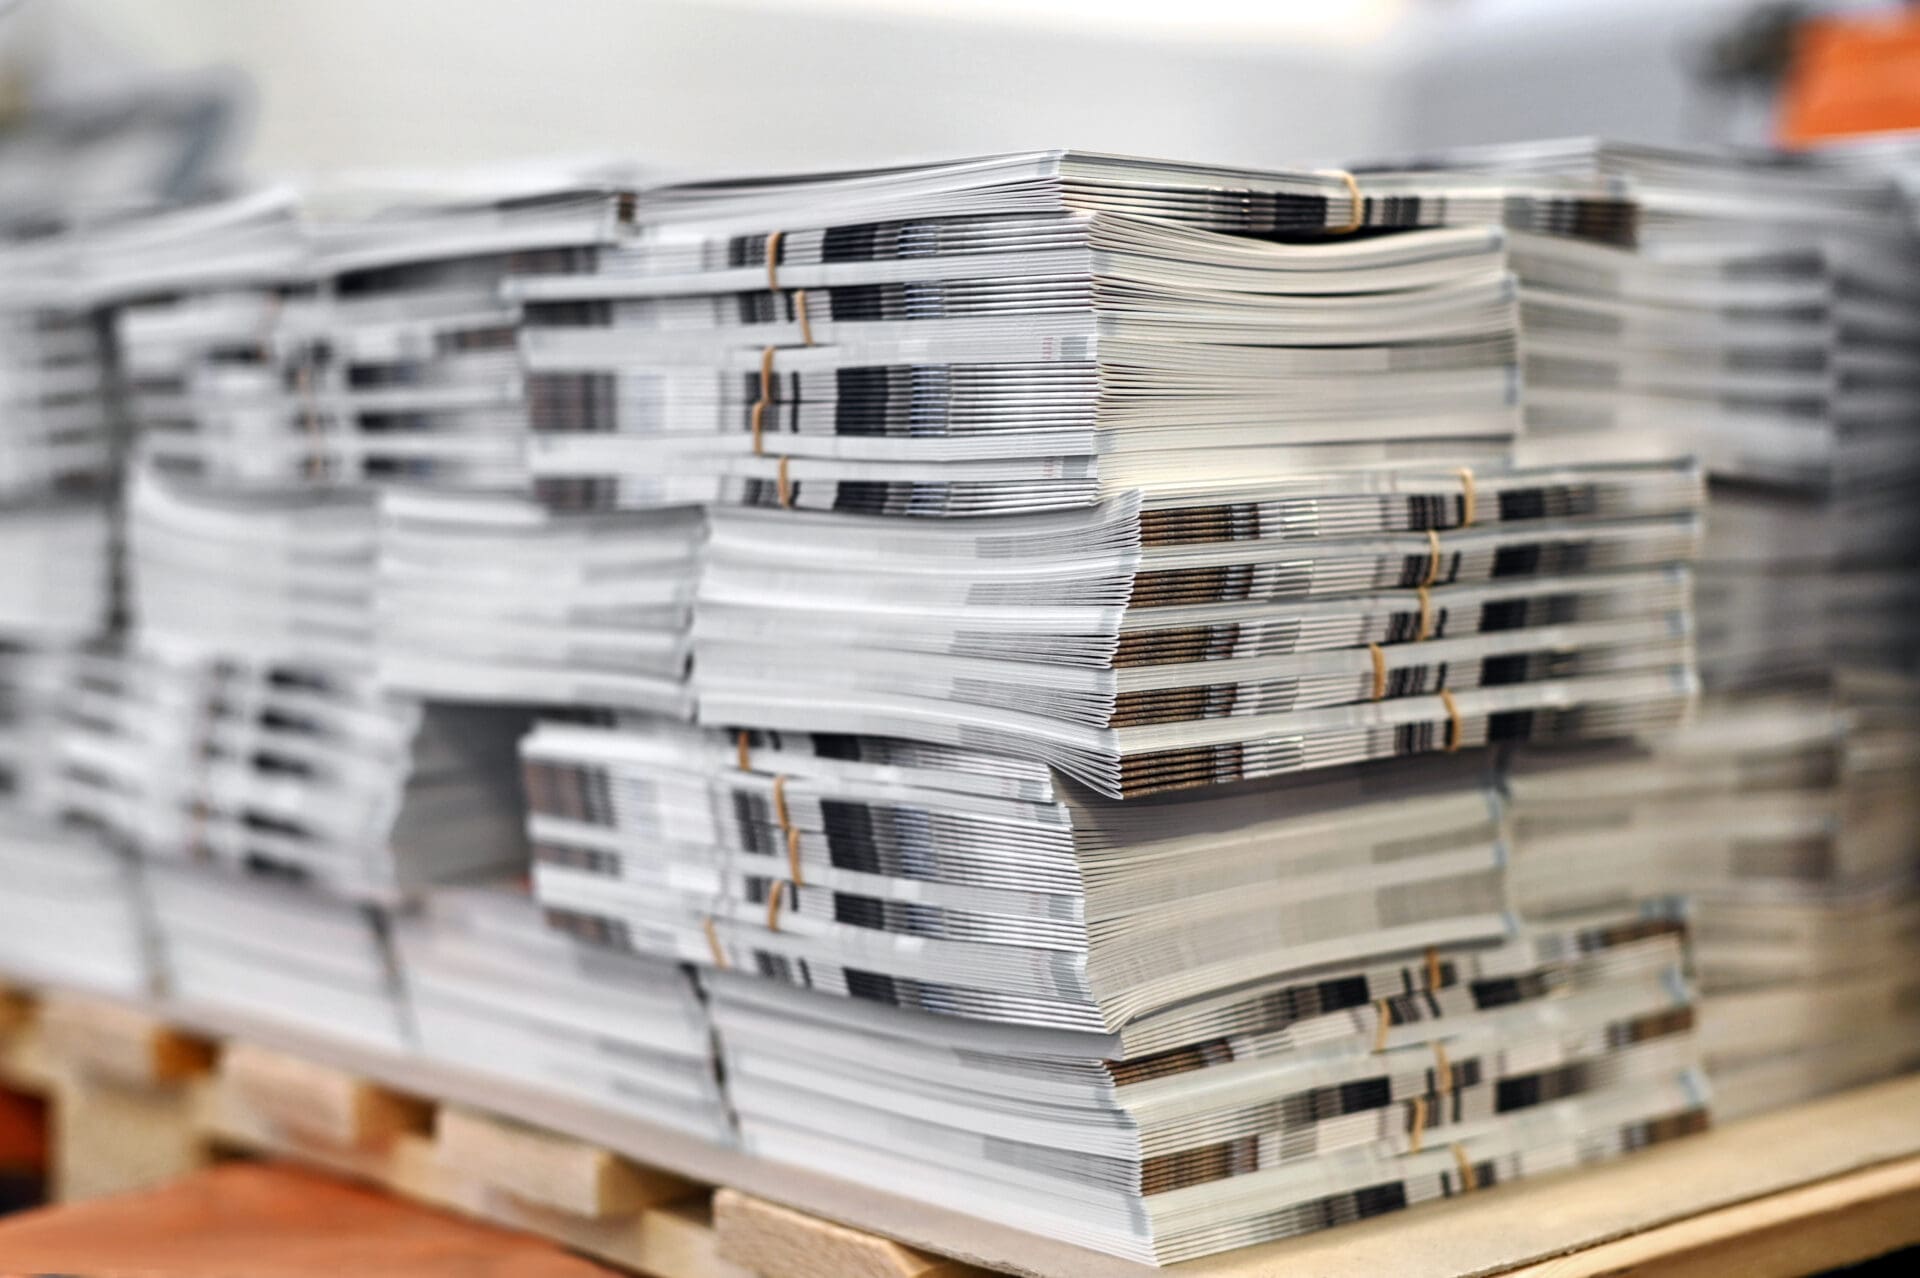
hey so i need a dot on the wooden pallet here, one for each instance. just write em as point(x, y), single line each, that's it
point(140, 1097)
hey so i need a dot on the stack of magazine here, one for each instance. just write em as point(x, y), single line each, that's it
point(71, 913)
point(493, 989)
point(1112, 579)
point(1768, 320)
point(1791, 825)
point(1157, 1027)
point(492, 598)
point(57, 456)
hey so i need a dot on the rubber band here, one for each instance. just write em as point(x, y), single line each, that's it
point(1433, 558)
point(1469, 498)
point(1442, 1069)
point(800, 313)
point(1425, 629)
point(1357, 207)
point(1379, 670)
point(1468, 1181)
point(773, 260)
point(786, 485)
point(775, 895)
point(1453, 721)
point(780, 802)
point(743, 748)
point(766, 398)
point(713, 943)
point(793, 857)
point(1383, 1024)
point(1418, 1128)
point(1433, 967)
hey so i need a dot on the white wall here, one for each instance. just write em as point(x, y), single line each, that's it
point(774, 84)
point(779, 83)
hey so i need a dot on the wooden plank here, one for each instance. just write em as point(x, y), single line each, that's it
point(779, 1242)
point(114, 1041)
point(25, 1063)
point(549, 1170)
point(1829, 1224)
point(113, 1138)
point(318, 1103)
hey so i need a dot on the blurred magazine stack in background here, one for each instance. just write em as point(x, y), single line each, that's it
point(73, 912)
point(1768, 323)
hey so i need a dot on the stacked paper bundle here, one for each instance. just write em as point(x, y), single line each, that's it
point(285, 577)
point(323, 778)
point(1276, 1110)
point(1143, 646)
point(1199, 511)
point(1024, 333)
point(1792, 827)
point(57, 458)
point(493, 989)
point(1769, 321)
point(279, 953)
point(487, 598)
point(1314, 983)
point(70, 911)
point(269, 361)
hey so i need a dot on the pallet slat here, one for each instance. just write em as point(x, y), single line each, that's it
point(1832, 1182)
point(779, 1242)
point(127, 1046)
point(309, 1102)
point(546, 1170)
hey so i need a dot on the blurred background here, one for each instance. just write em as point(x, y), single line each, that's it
point(753, 84)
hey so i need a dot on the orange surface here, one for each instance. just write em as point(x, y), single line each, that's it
point(270, 1221)
point(1852, 74)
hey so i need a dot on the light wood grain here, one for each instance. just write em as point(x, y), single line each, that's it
point(129, 1046)
point(317, 1102)
point(1835, 1222)
point(779, 1242)
point(549, 1170)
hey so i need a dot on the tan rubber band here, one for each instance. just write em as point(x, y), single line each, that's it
point(1433, 558)
point(1468, 1181)
point(1418, 1128)
point(1383, 1025)
point(1469, 497)
point(1453, 721)
point(1356, 209)
point(780, 802)
point(1425, 630)
point(773, 260)
point(743, 747)
point(786, 485)
point(800, 313)
point(760, 405)
point(1379, 670)
point(713, 943)
point(775, 895)
point(793, 858)
point(1442, 1069)
point(1433, 968)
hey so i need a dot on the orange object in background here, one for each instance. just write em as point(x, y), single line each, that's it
point(1852, 74)
point(271, 1221)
